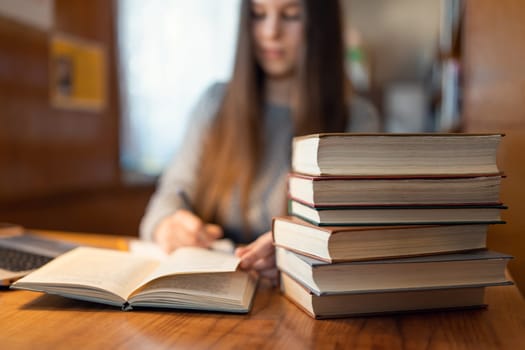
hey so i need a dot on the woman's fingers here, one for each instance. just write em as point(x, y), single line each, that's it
point(186, 237)
point(187, 220)
point(259, 249)
point(163, 236)
point(264, 263)
point(240, 251)
point(213, 231)
point(260, 257)
point(184, 228)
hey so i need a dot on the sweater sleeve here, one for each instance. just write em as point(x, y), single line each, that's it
point(181, 172)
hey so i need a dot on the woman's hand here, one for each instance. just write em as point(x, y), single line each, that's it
point(260, 256)
point(183, 228)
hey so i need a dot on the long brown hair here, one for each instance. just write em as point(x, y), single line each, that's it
point(233, 149)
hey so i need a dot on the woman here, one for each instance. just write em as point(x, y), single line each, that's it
point(288, 80)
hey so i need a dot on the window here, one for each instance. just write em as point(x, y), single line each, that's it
point(170, 52)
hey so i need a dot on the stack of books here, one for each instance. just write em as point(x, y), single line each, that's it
point(390, 223)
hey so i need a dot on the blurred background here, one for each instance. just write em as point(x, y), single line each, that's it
point(95, 95)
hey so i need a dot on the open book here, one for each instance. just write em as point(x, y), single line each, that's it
point(190, 278)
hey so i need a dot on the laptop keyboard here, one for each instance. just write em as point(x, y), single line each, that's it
point(16, 260)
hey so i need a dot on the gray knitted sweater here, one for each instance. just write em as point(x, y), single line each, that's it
point(267, 198)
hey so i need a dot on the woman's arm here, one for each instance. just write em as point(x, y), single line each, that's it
point(180, 175)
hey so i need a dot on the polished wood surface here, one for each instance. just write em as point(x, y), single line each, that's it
point(34, 320)
point(493, 101)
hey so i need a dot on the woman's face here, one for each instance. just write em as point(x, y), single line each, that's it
point(277, 27)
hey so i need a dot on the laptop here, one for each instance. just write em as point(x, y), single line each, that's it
point(21, 252)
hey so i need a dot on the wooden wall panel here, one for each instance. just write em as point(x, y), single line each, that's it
point(494, 101)
point(59, 169)
point(115, 210)
point(45, 150)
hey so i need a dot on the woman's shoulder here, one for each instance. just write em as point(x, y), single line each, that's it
point(214, 93)
point(216, 89)
point(208, 103)
point(364, 116)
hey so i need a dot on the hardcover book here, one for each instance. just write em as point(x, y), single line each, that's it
point(348, 243)
point(372, 303)
point(395, 154)
point(398, 215)
point(446, 270)
point(326, 191)
point(190, 278)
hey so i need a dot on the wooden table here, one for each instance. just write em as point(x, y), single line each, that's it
point(38, 321)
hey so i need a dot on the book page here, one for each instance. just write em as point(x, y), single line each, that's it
point(189, 260)
point(215, 285)
point(115, 271)
point(228, 291)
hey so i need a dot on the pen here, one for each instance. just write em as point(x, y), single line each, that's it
point(226, 246)
point(185, 200)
